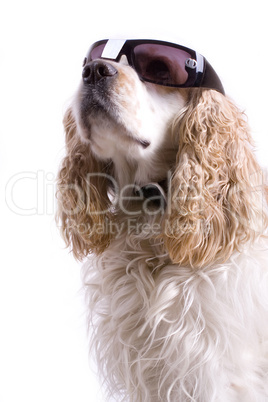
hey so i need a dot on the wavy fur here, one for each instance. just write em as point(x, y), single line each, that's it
point(177, 297)
point(216, 187)
point(82, 195)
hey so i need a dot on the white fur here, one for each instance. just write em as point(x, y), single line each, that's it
point(169, 333)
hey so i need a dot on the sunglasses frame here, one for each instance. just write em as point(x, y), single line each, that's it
point(200, 72)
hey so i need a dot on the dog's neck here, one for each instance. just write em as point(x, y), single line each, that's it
point(141, 172)
point(134, 188)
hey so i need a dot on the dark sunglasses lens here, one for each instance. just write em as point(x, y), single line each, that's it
point(96, 52)
point(161, 64)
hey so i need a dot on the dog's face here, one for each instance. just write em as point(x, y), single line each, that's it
point(122, 133)
point(121, 116)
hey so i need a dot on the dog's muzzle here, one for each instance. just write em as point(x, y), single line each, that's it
point(98, 78)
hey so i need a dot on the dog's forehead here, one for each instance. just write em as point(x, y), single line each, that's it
point(113, 48)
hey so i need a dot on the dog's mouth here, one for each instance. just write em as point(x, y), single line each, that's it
point(96, 101)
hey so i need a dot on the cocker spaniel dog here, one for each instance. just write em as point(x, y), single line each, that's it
point(161, 192)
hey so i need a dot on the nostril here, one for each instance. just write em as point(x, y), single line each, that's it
point(86, 74)
point(97, 70)
point(101, 71)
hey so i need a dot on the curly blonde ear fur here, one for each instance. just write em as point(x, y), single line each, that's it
point(216, 195)
point(83, 202)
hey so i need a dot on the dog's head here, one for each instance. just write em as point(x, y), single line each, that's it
point(123, 128)
point(127, 121)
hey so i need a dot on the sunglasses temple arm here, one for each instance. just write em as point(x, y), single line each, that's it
point(211, 79)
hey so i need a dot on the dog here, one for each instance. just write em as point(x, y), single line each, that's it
point(162, 196)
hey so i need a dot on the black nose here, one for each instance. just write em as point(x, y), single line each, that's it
point(97, 70)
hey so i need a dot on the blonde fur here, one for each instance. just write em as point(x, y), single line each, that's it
point(81, 195)
point(216, 188)
point(177, 296)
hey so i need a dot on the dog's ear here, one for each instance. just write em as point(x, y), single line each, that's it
point(216, 191)
point(83, 195)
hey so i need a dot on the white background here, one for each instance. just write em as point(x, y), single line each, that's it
point(43, 344)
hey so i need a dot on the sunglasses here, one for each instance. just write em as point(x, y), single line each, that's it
point(159, 62)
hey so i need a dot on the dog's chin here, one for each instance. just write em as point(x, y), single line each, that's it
point(101, 125)
point(107, 135)
point(96, 105)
